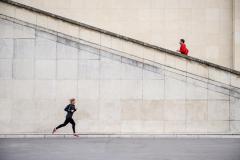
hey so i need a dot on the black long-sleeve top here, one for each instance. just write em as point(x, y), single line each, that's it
point(70, 109)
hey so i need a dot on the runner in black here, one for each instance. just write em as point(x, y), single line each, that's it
point(70, 109)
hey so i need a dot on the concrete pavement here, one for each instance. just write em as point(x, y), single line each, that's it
point(120, 149)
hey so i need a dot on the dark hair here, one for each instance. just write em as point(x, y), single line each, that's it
point(182, 40)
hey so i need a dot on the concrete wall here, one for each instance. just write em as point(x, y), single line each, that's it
point(205, 24)
point(116, 92)
point(236, 33)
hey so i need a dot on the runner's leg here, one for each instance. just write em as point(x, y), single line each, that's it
point(73, 124)
point(64, 124)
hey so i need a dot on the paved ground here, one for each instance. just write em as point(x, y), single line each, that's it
point(120, 149)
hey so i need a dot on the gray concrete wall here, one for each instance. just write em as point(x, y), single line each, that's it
point(236, 34)
point(40, 70)
point(205, 24)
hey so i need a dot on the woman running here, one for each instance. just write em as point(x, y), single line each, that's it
point(70, 109)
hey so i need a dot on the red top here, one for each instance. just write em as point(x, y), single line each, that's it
point(183, 49)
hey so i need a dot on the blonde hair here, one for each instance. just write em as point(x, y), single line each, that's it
point(72, 99)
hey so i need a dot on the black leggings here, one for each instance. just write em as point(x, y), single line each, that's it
point(66, 122)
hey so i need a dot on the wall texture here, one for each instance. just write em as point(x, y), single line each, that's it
point(41, 69)
point(207, 25)
point(236, 33)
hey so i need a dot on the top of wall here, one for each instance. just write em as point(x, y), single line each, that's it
point(120, 36)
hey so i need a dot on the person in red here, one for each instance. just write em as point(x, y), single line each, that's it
point(183, 49)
